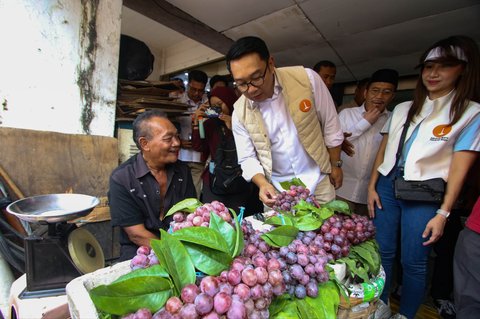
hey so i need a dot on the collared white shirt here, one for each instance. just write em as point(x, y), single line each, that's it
point(289, 157)
point(366, 140)
point(185, 121)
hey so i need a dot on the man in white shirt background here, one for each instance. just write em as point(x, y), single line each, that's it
point(362, 125)
point(194, 96)
point(285, 124)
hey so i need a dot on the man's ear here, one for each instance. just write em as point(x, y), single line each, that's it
point(271, 63)
point(143, 142)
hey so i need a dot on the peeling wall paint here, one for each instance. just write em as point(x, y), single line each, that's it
point(59, 62)
point(86, 66)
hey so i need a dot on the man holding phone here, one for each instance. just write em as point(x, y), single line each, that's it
point(194, 96)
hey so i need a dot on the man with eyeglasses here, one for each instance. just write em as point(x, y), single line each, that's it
point(285, 124)
point(362, 125)
point(147, 185)
point(194, 96)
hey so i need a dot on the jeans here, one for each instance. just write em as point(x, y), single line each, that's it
point(407, 219)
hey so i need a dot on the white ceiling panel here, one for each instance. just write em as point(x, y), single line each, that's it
point(411, 36)
point(281, 30)
point(221, 15)
point(338, 18)
point(359, 36)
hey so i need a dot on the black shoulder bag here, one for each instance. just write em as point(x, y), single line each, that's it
point(227, 175)
point(430, 190)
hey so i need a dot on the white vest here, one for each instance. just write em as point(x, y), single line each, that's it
point(431, 151)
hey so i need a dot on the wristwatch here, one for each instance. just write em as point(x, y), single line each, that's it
point(444, 213)
point(337, 163)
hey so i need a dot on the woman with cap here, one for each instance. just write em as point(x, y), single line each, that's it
point(218, 132)
point(442, 141)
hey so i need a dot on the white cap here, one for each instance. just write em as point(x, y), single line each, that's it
point(437, 53)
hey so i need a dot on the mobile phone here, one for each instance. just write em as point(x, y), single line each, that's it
point(213, 111)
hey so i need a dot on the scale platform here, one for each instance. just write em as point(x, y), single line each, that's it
point(57, 252)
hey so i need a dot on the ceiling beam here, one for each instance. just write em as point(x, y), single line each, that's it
point(170, 16)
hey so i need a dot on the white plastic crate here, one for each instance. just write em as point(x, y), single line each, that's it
point(79, 302)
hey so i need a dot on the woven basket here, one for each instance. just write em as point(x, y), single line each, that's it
point(362, 310)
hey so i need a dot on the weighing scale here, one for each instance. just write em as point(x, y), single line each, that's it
point(60, 252)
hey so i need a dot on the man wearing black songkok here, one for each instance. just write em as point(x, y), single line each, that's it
point(364, 124)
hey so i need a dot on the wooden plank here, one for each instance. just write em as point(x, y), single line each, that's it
point(170, 16)
point(42, 162)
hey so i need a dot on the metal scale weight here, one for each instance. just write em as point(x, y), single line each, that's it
point(62, 253)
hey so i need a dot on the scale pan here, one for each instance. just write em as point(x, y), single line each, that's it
point(53, 208)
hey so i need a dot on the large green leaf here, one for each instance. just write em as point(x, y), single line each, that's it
point(208, 260)
point(294, 181)
point(326, 303)
point(278, 304)
point(338, 206)
point(356, 270)
point(173, 255)
point(225, 230)
point(155, 270)
point(187, 205)
point(239, 243)
point(280, 220)
point(130, 293)
point(283, 307)
point(365, 255)
point(308, 222)
point(204, 236)
point(324, 213)
point(280, 236)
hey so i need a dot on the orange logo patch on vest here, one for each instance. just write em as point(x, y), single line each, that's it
point(305, 105)
point(441, 130)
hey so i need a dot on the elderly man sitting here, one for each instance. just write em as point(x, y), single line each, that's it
point(143, 188)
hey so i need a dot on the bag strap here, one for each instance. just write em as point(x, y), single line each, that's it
point(402, 141)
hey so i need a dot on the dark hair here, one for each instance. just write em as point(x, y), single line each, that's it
point(141, 127)
point(325, 63)
point(468, 84)
point(218, 78)
point(245, 46)
point(198, 76)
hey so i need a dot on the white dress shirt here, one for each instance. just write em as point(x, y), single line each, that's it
point(185, 121)
point(366, 140)
point(289, 157)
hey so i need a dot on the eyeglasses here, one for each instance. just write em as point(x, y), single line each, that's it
point(256, 82)
point(376, 91)
point(195, 90)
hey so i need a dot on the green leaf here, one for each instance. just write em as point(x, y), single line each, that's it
point(355, 270)
point(187, 205)
point(130, 293)
point(173, 255)
point(338, 206)
point(155, 270)
point(278, 304)
point(208, 260)
point(308, 222)
point(202, 236)
point(294, 181)
point(281, 236)
point(326, 303)
point(372, 247)
point(365, 255)
point(239, 243)
point(279, 221)
point(325, 213)
point(225, 230)
point(283, 307)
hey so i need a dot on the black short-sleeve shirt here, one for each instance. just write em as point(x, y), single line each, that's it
point(134, 197)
